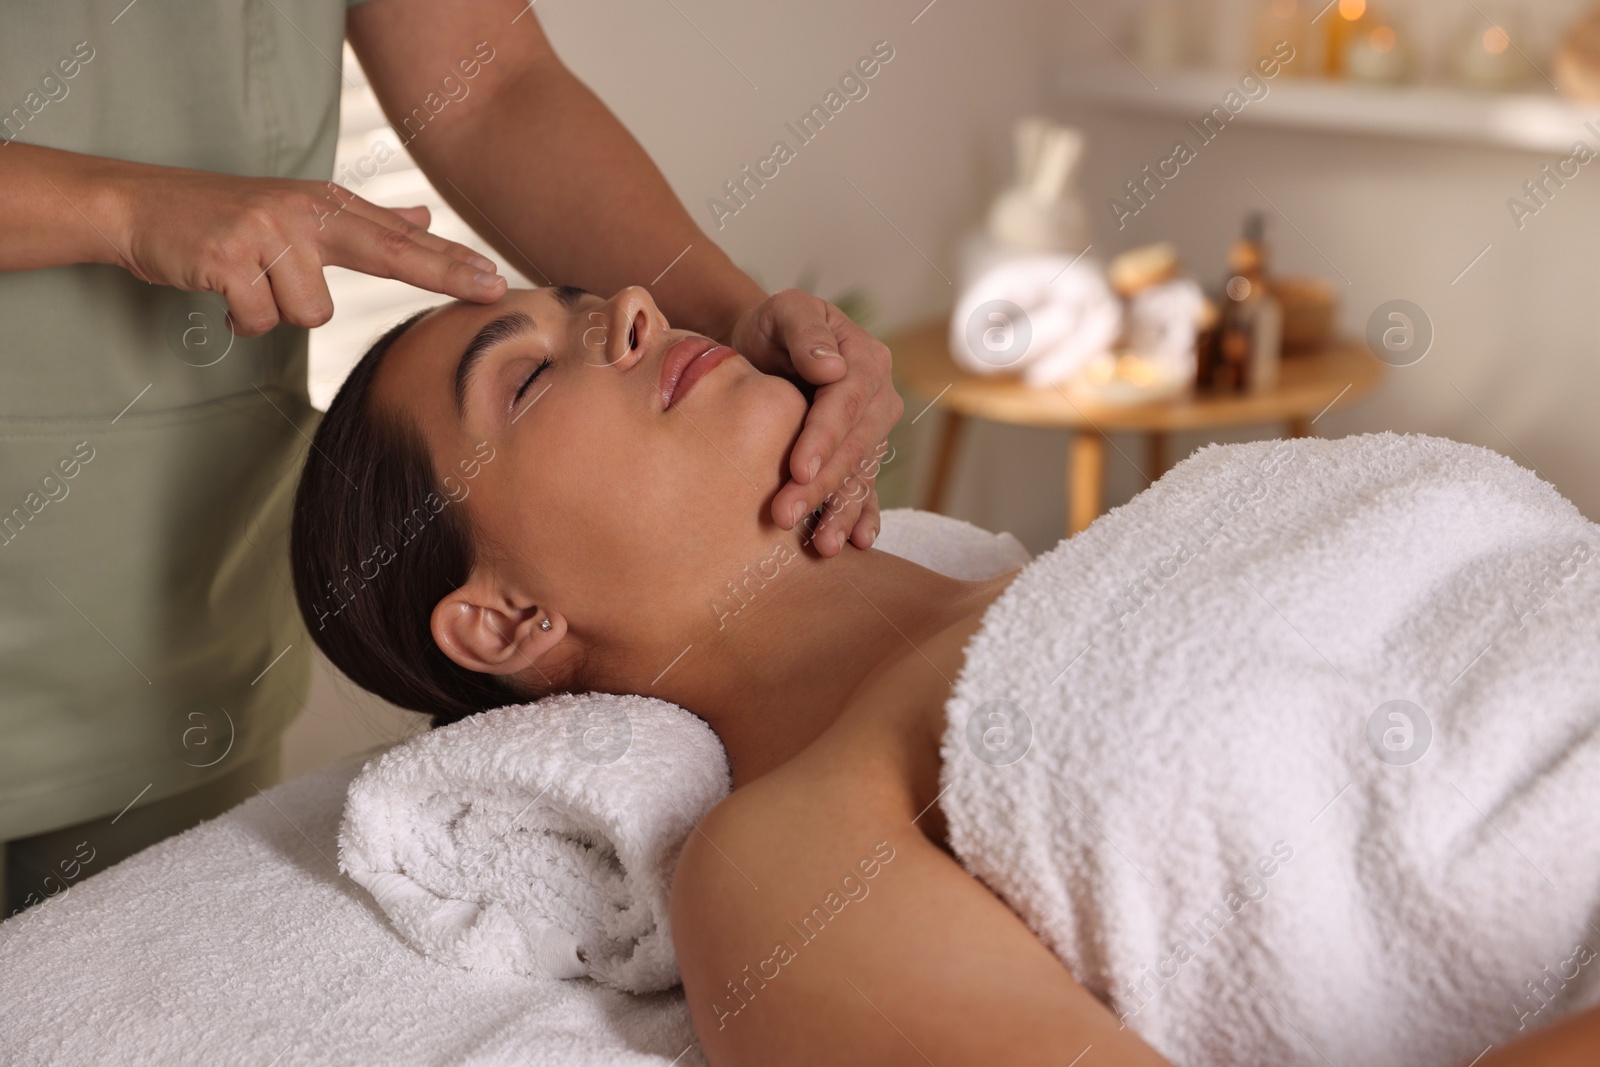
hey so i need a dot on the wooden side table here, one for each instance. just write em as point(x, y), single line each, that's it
point(1310, 384)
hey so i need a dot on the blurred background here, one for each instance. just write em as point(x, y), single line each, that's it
point(1385, 159)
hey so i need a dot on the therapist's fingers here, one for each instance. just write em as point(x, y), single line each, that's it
point(417, 216)
point(798, 323)
point(299, 287)
point(416, 228)
point(843, 430)
point(251, 304)
point(868, 522)
point(849, 485)
point(363, 245)
point(862, 403)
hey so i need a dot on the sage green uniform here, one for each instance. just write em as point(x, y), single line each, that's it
point(148, 458)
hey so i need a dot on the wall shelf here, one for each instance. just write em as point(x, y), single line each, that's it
point(1535, 122)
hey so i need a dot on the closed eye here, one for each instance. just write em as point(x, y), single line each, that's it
point(517, 399)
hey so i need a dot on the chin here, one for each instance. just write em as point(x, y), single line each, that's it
point(766, 424)
point(753, 419)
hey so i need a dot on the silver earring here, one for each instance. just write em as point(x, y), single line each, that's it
point(544, 624)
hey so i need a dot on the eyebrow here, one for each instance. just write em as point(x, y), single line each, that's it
point(510, 325)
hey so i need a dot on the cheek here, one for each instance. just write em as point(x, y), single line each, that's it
point(605, 503)
point(716, 476)
point(590, 492)
point(696, 474)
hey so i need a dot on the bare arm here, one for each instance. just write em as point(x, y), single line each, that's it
point(535, 162)
point(919, 963)
point(47, 199)
point(260, 242)
point(1573, 1042)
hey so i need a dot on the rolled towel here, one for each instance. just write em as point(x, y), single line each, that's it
point(1041, 315)
point(540, 839)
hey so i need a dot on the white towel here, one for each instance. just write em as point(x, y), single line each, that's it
point(1042, 315)
point(1174, 750)
point(953, 548)
point(540, 839)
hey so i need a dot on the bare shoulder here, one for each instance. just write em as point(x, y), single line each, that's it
point(814, 922)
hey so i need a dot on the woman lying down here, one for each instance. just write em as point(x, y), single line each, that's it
point(1295, 759)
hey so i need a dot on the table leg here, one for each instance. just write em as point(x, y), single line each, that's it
point(1085, 473)
point(1156, 454)
point(1299, 427)
point(944, 460)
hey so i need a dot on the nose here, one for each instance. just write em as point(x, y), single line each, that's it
point(633, 327)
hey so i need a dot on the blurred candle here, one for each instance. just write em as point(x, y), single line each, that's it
point(1348, 21)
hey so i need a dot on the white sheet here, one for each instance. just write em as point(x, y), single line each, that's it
point(240, 942)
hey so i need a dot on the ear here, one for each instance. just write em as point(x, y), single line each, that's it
point(490, 634)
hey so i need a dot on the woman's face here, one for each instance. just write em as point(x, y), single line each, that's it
point(596, 501)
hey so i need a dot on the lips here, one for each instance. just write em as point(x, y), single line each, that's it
point(686, 362)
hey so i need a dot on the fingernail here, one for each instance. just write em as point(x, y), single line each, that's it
point(486, 279)
point(872, 535)
point(481, 262)
point(815, 465)
point(797, 512)
point(824, 352)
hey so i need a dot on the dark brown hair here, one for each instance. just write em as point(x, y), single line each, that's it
point(374, 544)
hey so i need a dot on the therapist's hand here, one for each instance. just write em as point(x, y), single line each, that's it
point(262, 243)
point(840, 448)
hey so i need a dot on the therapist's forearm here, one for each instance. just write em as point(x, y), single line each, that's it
point(554, 182)
point(49, 203)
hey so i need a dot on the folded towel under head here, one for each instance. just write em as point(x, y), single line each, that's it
point(540, 839)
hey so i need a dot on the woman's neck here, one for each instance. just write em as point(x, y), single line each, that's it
point(780, 664)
